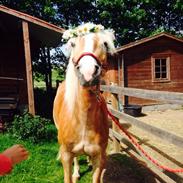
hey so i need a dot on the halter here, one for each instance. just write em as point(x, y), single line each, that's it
point(86, 54)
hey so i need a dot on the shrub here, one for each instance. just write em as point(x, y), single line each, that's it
point(34, 128)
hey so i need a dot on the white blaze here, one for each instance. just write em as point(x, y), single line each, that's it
point(87, 63)
point(87, 67)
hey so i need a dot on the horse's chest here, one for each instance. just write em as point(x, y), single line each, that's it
point(87, 142)
point(84, 134)
point(86, 147)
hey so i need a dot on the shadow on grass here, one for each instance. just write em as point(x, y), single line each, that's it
point(123, 169)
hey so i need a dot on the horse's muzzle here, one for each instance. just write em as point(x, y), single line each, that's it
point(93, 80)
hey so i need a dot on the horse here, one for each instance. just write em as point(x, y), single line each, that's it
point(81, 122)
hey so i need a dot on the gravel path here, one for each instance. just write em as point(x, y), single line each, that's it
point(169, 120)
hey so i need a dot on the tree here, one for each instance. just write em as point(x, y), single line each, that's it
point(131, 19)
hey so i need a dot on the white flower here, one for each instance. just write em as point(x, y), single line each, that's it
point(99, 28)
point(90, 26)
point(79, 31)
point(67, 34)
point(82, 30)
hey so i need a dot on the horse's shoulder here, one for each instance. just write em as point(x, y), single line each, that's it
point(60, 93)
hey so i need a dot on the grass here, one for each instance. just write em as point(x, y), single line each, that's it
point(41, 167)
point(41, 84)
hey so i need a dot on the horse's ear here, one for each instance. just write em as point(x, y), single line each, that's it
point(67, 48)
point(109, 41)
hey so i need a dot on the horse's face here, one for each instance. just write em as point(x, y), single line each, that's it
point(89, 54)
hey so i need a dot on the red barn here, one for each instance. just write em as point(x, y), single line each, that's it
point(154, 63)
point(21, 37)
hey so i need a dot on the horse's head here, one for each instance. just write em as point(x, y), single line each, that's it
point(88, 53)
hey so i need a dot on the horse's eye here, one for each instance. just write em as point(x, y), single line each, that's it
point(106, 46)
point(72, 44)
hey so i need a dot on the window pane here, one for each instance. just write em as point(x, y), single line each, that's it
point(163, 62)
point(157, 69)
point(157, 62)
point(163, 68)
point(164, 75)
point(157, 75)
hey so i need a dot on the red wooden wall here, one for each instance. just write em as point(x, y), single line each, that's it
point(138, 67)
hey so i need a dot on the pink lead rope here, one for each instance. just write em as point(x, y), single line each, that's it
point(116, 121)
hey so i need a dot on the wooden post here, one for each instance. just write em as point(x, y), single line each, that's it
point(124, 82)
point(114, 103)
point(28, 63)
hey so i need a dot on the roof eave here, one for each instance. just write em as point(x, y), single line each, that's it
point(144, 40)
point(31, 19)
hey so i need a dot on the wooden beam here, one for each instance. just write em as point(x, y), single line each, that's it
point(11, 78)
point(32, 19)
point(28, 63)
point(170, 97)
point(114, 102)
point(124, 79)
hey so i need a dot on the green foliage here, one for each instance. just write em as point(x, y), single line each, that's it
point(139, 17)
point(33, 128)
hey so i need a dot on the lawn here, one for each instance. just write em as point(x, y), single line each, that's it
point(41, 83)
point(42, 166)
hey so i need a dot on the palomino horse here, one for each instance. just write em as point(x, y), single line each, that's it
point(82, 124)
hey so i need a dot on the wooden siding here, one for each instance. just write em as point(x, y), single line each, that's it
point(12, 66)
point(138, 67)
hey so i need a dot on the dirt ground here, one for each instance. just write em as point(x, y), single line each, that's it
point(169, 120)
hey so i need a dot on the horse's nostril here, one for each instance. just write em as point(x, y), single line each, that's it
point(96, 69)
point(77, 67)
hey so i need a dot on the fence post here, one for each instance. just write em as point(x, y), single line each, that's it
point(114, 103)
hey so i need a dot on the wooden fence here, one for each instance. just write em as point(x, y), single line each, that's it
point(120, 141)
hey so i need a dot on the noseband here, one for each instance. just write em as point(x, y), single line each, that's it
point(87, 54)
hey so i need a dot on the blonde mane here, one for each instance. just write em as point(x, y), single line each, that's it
point(71, 87)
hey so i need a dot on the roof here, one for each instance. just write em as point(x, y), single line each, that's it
point(47, 33)
point(145, 40)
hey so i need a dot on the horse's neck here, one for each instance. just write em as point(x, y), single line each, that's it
point(86, 98)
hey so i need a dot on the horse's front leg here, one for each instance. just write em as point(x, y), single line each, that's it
point(98, 163)
point(75, 175)
point(67, 159)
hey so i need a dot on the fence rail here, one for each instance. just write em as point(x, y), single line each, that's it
point(171, 97)
point(119, 140)
point(163, 134)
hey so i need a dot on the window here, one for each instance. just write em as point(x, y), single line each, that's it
point(161, 68)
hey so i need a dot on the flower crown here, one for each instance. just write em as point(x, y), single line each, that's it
point(82, 30)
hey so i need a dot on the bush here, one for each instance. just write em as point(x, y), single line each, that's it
point(34, 128)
